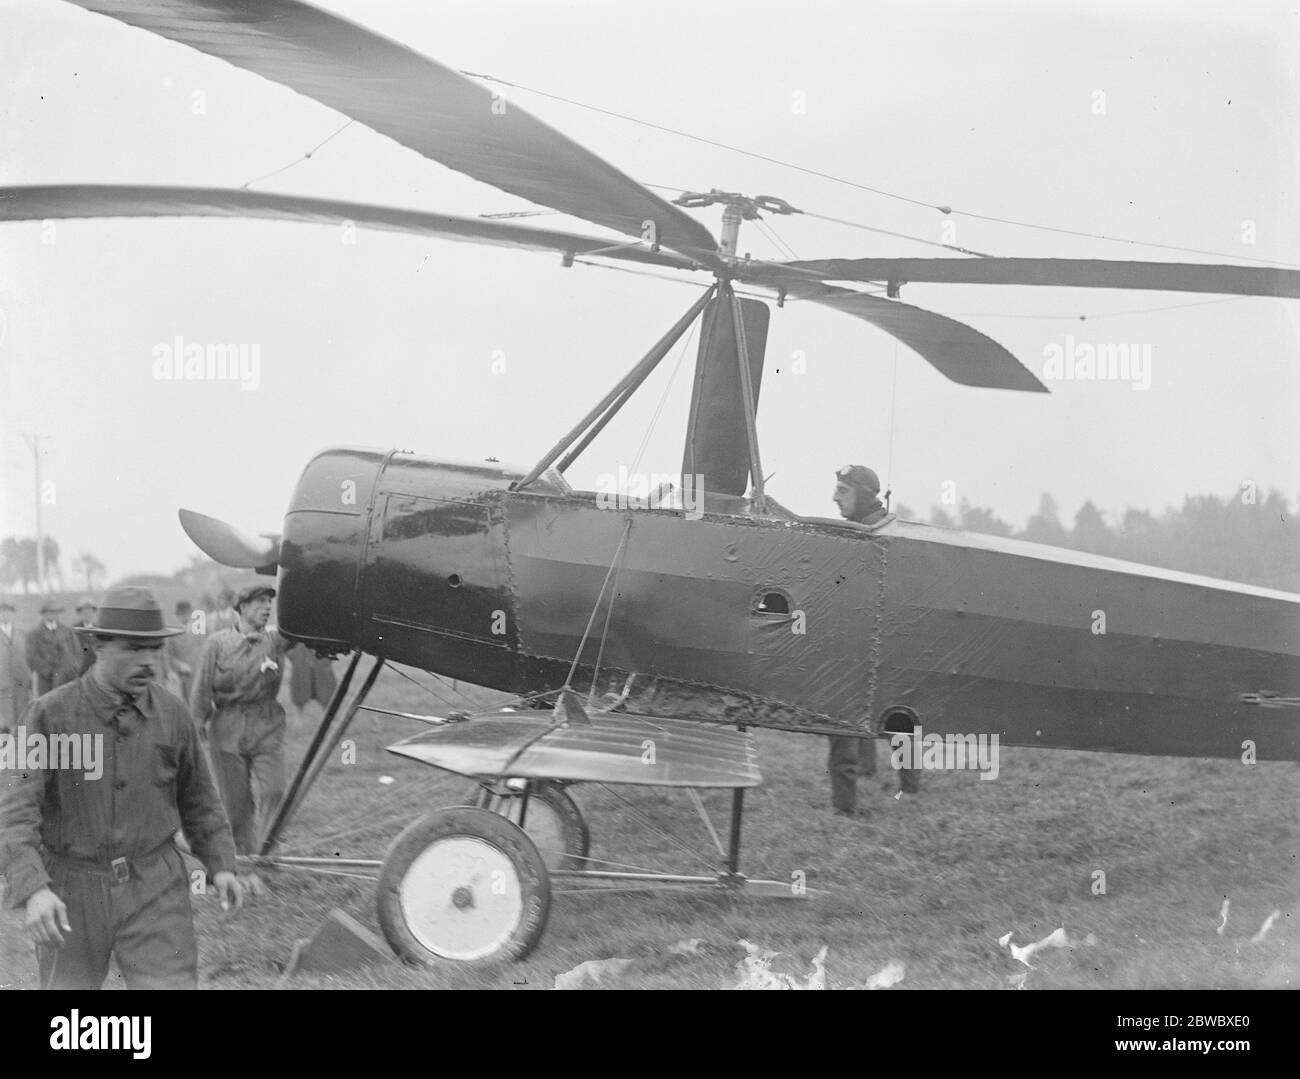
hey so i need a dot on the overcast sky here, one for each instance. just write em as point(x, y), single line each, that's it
point(991, 108)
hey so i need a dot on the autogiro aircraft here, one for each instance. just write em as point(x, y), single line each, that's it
point(642, 644)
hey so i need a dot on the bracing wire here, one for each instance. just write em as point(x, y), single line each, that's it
point(784, 248)
point(946, 210)
point(663, 397)
point(586, 633)
point(416, 682)
point(296, 160)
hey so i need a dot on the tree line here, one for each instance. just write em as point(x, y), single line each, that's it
point(1244, 537)
point(19, 566)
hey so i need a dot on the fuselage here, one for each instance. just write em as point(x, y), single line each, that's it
point(780, 621)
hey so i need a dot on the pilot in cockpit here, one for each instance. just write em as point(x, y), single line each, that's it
point(857, 493)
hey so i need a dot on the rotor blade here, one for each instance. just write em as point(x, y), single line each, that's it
point(1070, 273)
point(226, 544)
point(957, 351)
point(88, 200)
point(424, 105)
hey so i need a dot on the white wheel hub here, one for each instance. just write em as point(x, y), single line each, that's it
point(462, 897)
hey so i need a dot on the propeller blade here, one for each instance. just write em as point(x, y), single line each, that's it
point(420, 103)
point(226, 544)
point(957, 351)
point(1069, 273)
point(39, 203)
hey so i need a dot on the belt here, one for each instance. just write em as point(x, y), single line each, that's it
point(238, 704)
point(118, 870)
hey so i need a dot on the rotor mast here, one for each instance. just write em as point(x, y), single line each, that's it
point(732, 216)
point(736, 209)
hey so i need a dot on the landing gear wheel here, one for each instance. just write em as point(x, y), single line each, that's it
point(553, 821)
point(466, 885)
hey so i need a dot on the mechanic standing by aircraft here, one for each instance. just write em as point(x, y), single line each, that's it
point(233, 701)
point(857, 494)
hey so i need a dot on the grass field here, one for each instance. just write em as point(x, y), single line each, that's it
point(931, 880)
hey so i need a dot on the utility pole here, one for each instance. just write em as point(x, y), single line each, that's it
point(34, 441)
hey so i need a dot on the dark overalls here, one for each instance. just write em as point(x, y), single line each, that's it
point(234, 696)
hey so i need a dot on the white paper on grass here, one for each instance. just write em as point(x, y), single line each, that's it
point(594, 971)
point(1268, 924)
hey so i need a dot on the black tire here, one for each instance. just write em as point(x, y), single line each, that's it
point(438, 889)
point(557, 812)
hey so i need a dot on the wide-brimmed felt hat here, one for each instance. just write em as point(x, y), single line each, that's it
point(51, 607)
point(251, 592)
point(130, 611)
point(85, 602)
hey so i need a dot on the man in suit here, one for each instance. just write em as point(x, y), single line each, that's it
point(86, 611)
point(53, 653)
point(182, 651)
point(15, 679)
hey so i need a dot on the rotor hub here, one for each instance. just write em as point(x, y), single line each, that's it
point(735, 209)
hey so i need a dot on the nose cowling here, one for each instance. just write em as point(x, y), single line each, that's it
point(323, 545)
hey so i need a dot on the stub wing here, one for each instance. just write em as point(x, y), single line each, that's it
point(617, 747)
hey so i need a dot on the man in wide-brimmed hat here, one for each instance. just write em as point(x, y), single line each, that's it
point(234, 701)
point(15, 678)
point(88, 846)
point(53, 653)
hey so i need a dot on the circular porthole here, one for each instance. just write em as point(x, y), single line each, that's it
point(454, 580)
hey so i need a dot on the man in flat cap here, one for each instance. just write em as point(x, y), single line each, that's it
point(87, 844)
point(15, 679)
point(234, 702)
point(53, 653)
point(86, 611)
point(857, 494)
